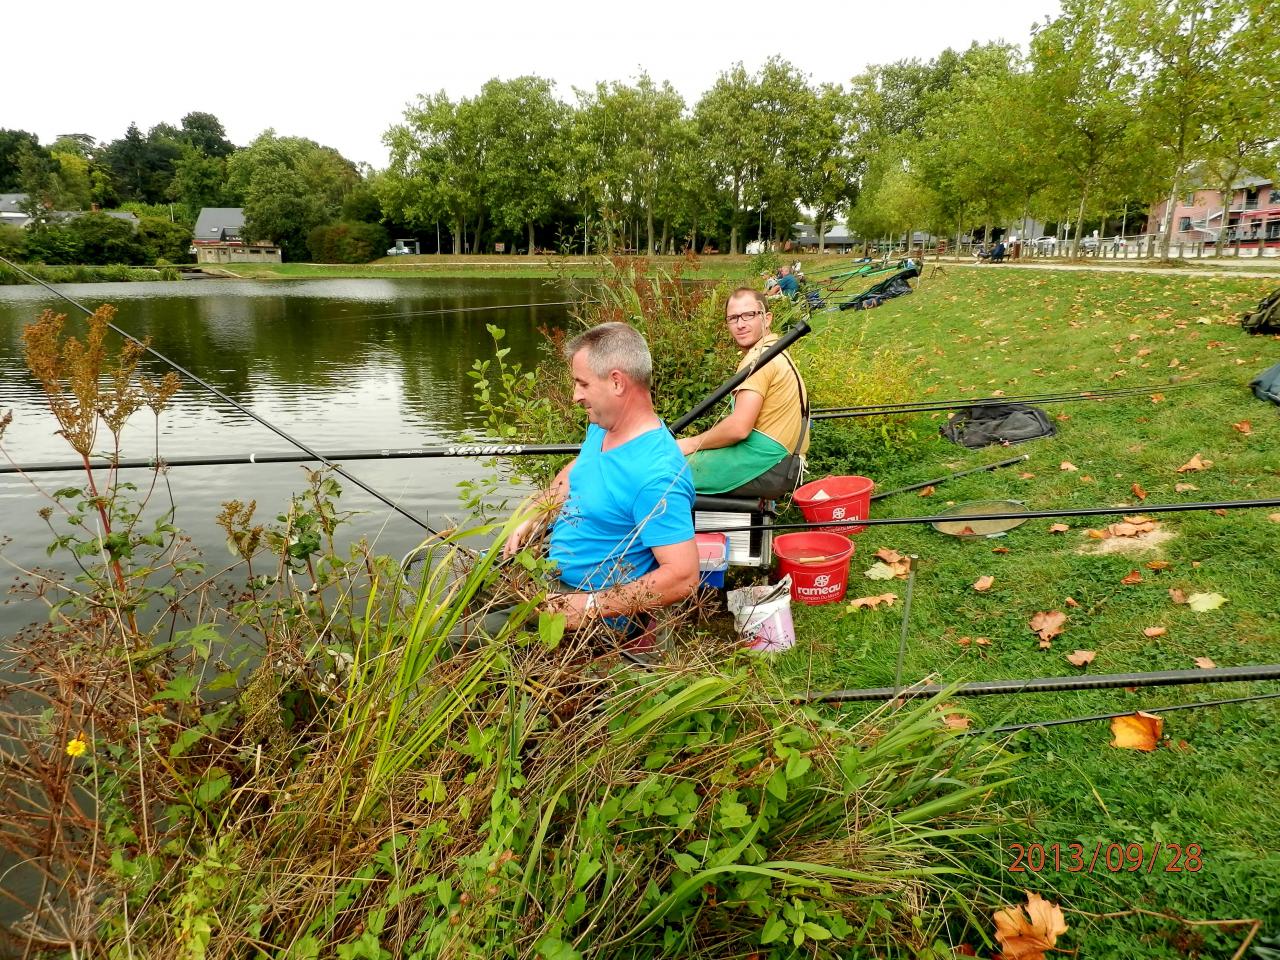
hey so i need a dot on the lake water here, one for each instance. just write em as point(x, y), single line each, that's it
point(339, 364)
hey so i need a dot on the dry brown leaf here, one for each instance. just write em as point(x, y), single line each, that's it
point(1244, 426)
point(1157, 397)
point(1137, 518)
point(872, 603)
point(1157, 564)
point(1071, 602)
point(1154, 632)
point(1137, 731)
point(1204, 663)
point(982, 641)
point(1081, 658)
point(1138, 492)
point(1184, 487)
point(964, 641)
point(1006, 549)
point(1145, 351)
point(1048, 624)
point(1063, 417)
point(983, 584)
point(1177, 596)
point(1068, 466)
point(1132, 577)
point(1059, 528)
point(1046, 644)
point(1026, 476)
point(952, 718)
point(1098, 534)
point(928, 491)
point(967, 531)
point(1274, 517)
point(1195, 463)
point(1219, 512)
point(887, 555)
point(1026, 933)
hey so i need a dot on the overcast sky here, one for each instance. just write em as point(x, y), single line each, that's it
point(342, 73)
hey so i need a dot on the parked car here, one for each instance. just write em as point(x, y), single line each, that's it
point(1045, 244)
point(398, 251)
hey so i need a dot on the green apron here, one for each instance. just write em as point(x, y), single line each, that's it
point(725, 469)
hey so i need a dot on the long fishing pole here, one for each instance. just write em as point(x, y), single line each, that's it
point(1099, 681)
point(943, 405)
point(226, 399)
point(343, 456)
point(953, 476)
point(1099, 394)
point(1015, 727)
point(1010, 515)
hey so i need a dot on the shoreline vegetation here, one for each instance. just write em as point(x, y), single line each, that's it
point(306, 770)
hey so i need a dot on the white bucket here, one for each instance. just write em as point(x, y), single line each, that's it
point(762, 616)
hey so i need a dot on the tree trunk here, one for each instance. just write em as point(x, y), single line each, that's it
point(662, 244)
point(733, 229)
point(1075, 243)
point(1168, 227)
point(821, 224)
point(586, 230)
point(648, 224)
point(693, 239)
point(1225, 197)
point(531, 238)
point(475, 245)
point(459, 226)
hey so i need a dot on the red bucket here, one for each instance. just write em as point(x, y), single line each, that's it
point(835, 498)
point(818, 564)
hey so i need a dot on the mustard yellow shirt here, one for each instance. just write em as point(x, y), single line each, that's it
point(781, 417)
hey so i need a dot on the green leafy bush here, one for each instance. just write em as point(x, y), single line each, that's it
point(347, 242)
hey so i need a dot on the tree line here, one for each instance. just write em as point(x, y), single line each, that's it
point(1113, 105)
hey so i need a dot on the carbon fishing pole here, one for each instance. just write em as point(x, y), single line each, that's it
point(888, 410)
point(1015, 727)
point(1100, 681)
point(1010, 515)
point(1100, 393)
point(452, 310)
point(953, 476)
point(226, 399)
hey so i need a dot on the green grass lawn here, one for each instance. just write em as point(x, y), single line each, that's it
point(1214, 782)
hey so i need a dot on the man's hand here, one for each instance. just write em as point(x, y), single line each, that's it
point(555, 495)
point(520, 534)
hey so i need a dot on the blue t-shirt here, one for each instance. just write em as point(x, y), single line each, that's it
point(788, 285)
point(622, 503)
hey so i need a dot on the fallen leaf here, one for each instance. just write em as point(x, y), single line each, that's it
point(879, 571)
point(1200, 602)
point(982, 641)
point(1157, 397)
point(1068, 466)
point(1048, 624)
point(1138, 491)
point(952, 718)
point(1137, 731)
point(1081, 658)
point(1046, 644)
point(1195, 463)
point(967, 531)
point(1175, 362)
point(1144, 352)
point(887, 555)
point(1028, 935)
point(1063, 417)
point(983, 584)
point(1154, 632)
point(928, 491)
point(872, 603)
point(1274, 517)
point(1132, 577)
point(1184, 487)
point(1071, 602)
point(1177, 596)
point(964, 641)
point(1204, 663)
point(1059, 528)
point(1098, 534)
point(1244, 426)
point(1219, 512)
point(1026, 476)
point(1157, 564)
point(1006, 549)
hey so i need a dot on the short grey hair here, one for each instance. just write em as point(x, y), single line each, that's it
point(614, 346)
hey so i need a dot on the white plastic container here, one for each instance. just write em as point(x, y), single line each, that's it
point(762, 616)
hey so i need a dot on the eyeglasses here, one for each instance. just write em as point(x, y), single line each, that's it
point(749, 315)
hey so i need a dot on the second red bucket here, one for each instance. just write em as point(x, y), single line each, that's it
point(818, 564)
point(836, 498)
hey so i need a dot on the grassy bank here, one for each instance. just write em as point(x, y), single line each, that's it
point(1212, 783)
point(111, 273)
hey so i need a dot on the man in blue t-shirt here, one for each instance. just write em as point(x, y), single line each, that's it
point(623, 537)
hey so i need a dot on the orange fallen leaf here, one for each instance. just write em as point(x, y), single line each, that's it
point(967, 531)
point(1137, 731)
point(1219, 512)
point(1071, 602)
point(964, 641)
point(887, 555)
point(1059, 528)
point(1204, 663)
point(1068, 466)
point(952, 718)
point(1026, 933)
point(1145, 351)
point(1138, 492)
point(1063, 416)
point(1157, 564)
point(928, 492)
point(1177, 596)
point(982, 641)
point(1048, 624)
point(1195, 463)
point(1098, 534)
point(1081, 658)
point(1006, 549)
point(1046, 644)
point(1184, 487)
point(1132, 577)
point(872, 603)
point(1154, 632)
point(1244, 426)
point(1157, 397)
point(1026, 476)
point(983, 584)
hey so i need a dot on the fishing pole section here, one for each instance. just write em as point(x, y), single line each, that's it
point(312, 454)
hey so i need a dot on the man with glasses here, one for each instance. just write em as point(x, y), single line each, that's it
point(769, 421)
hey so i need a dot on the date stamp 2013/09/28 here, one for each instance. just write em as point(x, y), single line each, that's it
point(1112, 857)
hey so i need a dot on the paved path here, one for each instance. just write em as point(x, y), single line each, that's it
point(1218, 270)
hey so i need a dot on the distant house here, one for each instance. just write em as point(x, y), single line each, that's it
point(219, 238)
point(11, 209)
point(1251, 217)
point(838, 238)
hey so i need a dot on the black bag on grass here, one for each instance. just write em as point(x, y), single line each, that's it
point(1266, 318)
point(1266, 385)
point(981, 426)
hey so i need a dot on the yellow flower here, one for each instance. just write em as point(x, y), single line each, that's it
point(78, 746)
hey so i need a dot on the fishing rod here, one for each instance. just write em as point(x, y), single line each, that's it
point(953, 476)
point(234, 403)
point(1100, 681)
point(927, 406)
point(1009, 515)
point(407, 453)
point(1016, 727)
point(452, 310)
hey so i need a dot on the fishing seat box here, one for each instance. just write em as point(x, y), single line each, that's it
point(747, 548)
point(713, 559)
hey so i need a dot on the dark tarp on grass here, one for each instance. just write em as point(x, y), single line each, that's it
point(1266, 385)
point(887, 289)
point(1265, 318)
point(1003, 423)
